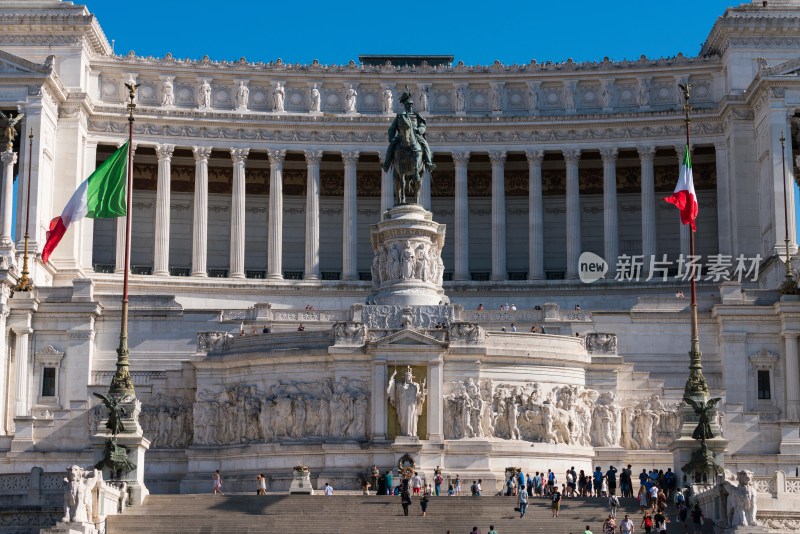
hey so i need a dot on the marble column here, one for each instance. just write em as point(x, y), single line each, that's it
point(724, 205)
point(387, 187)
point(275, 224)
point(610, 217)
point(535, 216)
point(425, 193)
point(8, 158)
point(646, 156)
point(435, 402)
point(350, 217)
point(313, 159)
point(571, 157)
point(4, 375)
point(461, 242)
point(200, 223)
point(498, 159)
point(120, 242)
point(161, 241)
point(684, 228)
point(236, 269)
point(22, 357)
point(792, 377)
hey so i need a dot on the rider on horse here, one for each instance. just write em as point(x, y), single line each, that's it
point(413, 123)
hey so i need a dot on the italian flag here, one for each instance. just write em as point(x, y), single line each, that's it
point(100, 196)
point(684, 198)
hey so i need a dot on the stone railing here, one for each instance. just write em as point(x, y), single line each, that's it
point(265, 313)
point(36, 488)
point(503, 316)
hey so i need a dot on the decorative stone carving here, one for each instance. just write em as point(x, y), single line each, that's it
point(278, 98)
point(167, 93)
point(350, 100)
point(207, 341)
point(461, 100)
point(301, 481)
point(78, 485)
point(407, 398)
point(242, 96)
point(388, 100)
point(423, 99)
point(389, 317)
point(347, 333)
point(469, 332)
point(407, 267)
point(167, 422)
point(204, 102)
point(294, 410)
point(315, 106)
point(742, 500)
point(599, 343)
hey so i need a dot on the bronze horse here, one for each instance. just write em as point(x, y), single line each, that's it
point(407, 165)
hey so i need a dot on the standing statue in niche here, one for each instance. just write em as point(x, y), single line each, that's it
point(315, 100)
point(388, 100)
point(350, 100)
point(461, 100)
point(278, 98)
point(167, 94)
point(407, 398)
point(205, 95)
point(242, 96)
point(408, 152)
point(423, 99)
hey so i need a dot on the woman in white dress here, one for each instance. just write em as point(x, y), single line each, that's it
point(217, 483)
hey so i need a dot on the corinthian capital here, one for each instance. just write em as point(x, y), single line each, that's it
point(201, 153)
point(571, 154)
point(646, 152)
point(164, 151)
point(276, 156)
point(8, 157)
point(313, 157)
point(609, 153)
point(461, 158)
point(350, 157)
point(239, 155)
point(497, 157)
point(535, 156)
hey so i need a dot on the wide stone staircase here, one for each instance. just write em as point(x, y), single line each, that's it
point(207, 514)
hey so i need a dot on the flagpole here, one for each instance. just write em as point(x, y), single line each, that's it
point(696, 384)
point(122, 383)
point(789, 286)
point(25, 283)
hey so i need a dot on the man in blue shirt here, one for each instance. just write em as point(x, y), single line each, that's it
point(611, 476)
point(389, 485)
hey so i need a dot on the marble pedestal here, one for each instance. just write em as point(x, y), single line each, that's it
point(301, 481)
point(407, 268)
point(137, 445)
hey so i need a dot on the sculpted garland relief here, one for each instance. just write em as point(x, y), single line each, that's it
point(569, 415)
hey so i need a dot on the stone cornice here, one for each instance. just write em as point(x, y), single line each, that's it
point(751, 22)
point(62, 24)
point(642, 66)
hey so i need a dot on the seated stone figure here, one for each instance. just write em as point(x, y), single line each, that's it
point(78, 487)
point(742, 505)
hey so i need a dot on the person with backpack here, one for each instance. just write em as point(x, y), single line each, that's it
point(437, 481)
point(423, 503)
point(405, 500)
point(555, 501)
point(522, 503)
point(474, 489)
point(551, 482)
point(647, 523)
point(613, 504)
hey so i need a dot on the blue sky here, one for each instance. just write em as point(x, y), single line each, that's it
point(474, 32)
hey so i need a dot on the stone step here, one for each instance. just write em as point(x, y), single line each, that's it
point(207, 514)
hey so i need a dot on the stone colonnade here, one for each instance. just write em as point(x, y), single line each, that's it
point(459, 234)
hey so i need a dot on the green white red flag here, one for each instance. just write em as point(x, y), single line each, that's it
point(100, 196)
point(684, 197)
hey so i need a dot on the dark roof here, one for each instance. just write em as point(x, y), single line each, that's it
point(405, 61)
